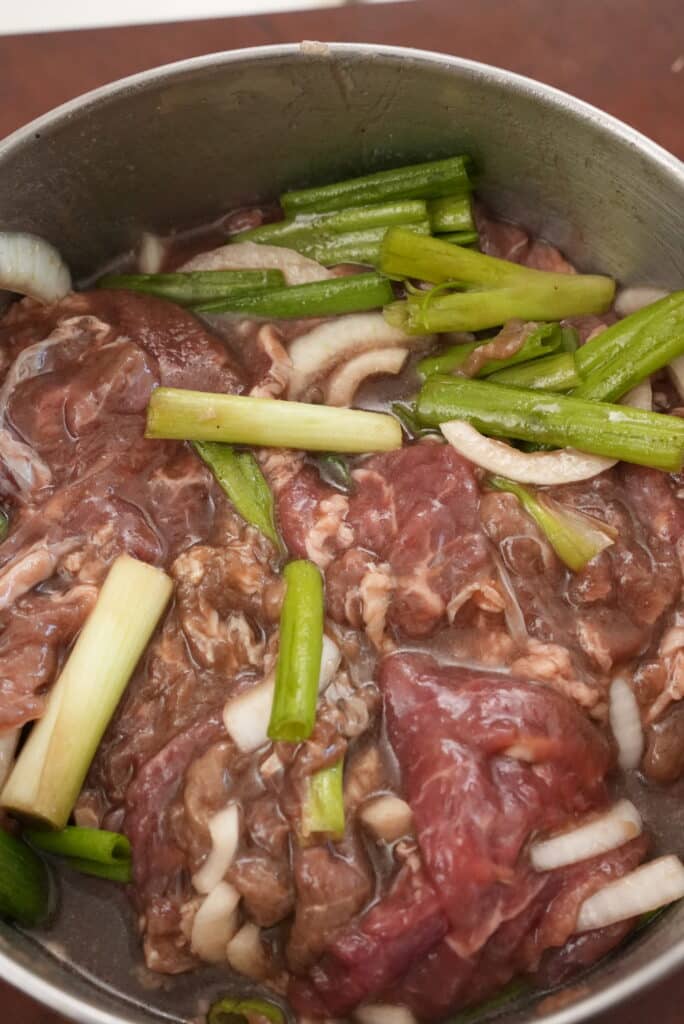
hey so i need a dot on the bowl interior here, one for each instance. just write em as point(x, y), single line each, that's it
point(180, 145)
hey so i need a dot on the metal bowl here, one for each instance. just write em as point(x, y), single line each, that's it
point(176, 146)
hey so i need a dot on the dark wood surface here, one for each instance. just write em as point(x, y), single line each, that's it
point(626, 56)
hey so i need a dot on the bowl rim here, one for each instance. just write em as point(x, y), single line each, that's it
point(83, 1008)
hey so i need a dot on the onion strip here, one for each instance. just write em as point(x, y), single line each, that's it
point(31, 266)
point(612, 829)
point(650, 887)
point(344, 382)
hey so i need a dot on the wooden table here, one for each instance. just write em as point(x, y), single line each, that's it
point(626, 56)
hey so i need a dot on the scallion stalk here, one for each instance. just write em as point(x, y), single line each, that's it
point(92, 844)
point(24, 882)
point(451, 214)
point(313, 229)
point(188, 288)
point(355, 247)
point(542, 341)
point(49, 772)
point(293, 713)
point(4, 525)
point(460, 237)
point(244, 1011)
point(323, 810)
point(607, 346)
point(415, 181)
point(240, 477)
point(119, 871)
point(174, 413)
point(552, 373)
point(332, 297)
point(616, 431)
point(334, 470)
point(575, 537)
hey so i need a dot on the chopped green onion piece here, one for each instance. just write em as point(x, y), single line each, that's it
point(318, 229)
point(93, 844)
point(605, 347)
point(239, 419)
point(243, 1011)
point(332, 297)
point(323, 811)
point(460, 237)
point(569, 339)
point(616, 431)
point(188, 288)
point(49, 772)
point(635, 354)
point(355, 247)
point(483, 1011)
point(293, 713)
point(541, 341)
point(575, 537)
point(451, 214)
point(240, 477)
point(552, 373)
point(407, 416)
point(4, 525)
point(334, 470)
point(24, 882)
point(415, 181)
point(120, 871)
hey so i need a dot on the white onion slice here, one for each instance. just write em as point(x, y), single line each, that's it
point(246, 954)
point(224, 829)
point(246, 717)
point(215, 923)
point(650, 887)
point(384, 1013)
point(676, 372)
point(297, 269)
point(387, 817)
point(8, 746)
point(330, 663)
point(640, 397)
point(315, 354)
point(612, 829)
point(31, 266)
point(151, 253)
point(631, 300)
point(343, 383)
point(545, 468)
point(625, 721)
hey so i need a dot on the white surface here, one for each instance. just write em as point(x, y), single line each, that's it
point(53, 15)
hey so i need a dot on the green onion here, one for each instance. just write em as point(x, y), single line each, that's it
point(416, 181)
point(312, 229)
point(334, 470)
point(49, 772)
point(119, 871)
point(4, 525)
point(85, 843)
point(575, 537)
point(569, 339)
point(635, 353)
point(242, 1011)
point(451, 214)
point(543, 340)
point(188, 288)
point(24, 882)
point(459, 237)
point(240, 477)
point(513, 991)
point(553, 373)
point(293, 713)
point(323, 810)
point(616, 431)
point(332, 297)
point(506, 290)
point(238, 419)
point(355, 247)
point(408, 417)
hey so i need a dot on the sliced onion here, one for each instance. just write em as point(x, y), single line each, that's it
point(631, 300)
point(612, 829)
point(8, 746)
point(224, 829)
point(343, 383)
point(384, 1013)
point(31, 266)
point(387, 817)
point(625, 721)
point(676, 372)
point(650, 887)
point(545, 468)
point(215, 923)
point(640, 397)
point(330, 663)
point(151, 254)
point(297, 269)
point(246, 716)
point(246, 954)
point(316, 354)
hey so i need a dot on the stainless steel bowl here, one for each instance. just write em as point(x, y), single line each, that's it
point(178, 145)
